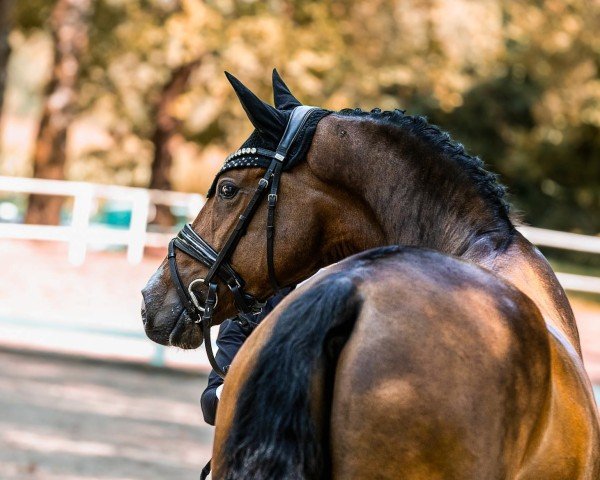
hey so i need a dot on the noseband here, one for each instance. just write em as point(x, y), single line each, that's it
point(189, 242)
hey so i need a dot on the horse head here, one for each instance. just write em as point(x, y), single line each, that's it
point(301, 207)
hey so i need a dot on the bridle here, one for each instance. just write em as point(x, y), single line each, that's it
point(189, 242)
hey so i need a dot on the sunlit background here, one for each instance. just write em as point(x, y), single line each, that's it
point(115, 115)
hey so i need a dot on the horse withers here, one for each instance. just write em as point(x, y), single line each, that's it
point(458, 357)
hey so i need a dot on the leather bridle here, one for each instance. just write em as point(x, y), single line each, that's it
point(189, 242)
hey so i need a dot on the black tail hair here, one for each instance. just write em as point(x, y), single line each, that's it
point(274, 435)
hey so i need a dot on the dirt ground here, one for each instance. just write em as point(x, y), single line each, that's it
point(63, 418)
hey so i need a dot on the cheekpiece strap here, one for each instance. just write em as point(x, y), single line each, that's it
point(298, 118)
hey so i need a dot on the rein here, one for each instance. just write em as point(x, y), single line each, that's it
point(192, 244)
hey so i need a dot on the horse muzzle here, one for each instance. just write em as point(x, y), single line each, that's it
point(167, 322)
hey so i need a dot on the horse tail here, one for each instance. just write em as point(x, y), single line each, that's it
point(281, 423)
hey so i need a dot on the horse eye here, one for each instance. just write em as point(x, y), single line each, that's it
point(228, 190)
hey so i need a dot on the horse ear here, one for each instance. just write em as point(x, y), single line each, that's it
point(284, 100)
point(267, 120)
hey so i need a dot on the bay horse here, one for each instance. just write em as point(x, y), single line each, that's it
point(447, 349)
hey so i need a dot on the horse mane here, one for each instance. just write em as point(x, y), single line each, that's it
point(275, 433)
point(485, 182)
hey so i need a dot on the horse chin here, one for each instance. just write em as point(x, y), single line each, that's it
point(186, 333)
point(176, 331)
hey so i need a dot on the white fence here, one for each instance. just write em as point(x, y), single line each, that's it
point(568, 241)
point(115, 338)
point(79, 234)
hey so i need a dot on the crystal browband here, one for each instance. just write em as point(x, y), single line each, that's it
point(248, 157)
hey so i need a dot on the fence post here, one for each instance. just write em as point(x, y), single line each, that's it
point(82, 207)
point(138, 226)
point(194, 204)
point(158, 357)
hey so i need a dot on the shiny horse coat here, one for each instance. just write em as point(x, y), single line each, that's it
point(442, 370)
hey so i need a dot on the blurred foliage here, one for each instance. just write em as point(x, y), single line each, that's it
point(515, 81)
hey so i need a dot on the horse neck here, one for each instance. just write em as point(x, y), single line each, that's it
point(429, 203)
point(421, 200)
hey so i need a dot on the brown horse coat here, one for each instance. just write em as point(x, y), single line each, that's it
point(446, 375)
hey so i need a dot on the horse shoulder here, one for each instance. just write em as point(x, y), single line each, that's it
point(566, 443)
point(525, 266)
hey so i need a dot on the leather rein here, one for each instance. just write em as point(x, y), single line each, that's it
point(192, 244)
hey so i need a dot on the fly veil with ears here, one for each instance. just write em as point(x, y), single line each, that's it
point(281, 140)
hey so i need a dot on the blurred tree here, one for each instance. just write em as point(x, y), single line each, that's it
point(516, 81)
point(32, 15)
point(68, 26)
point(537, 122)
point(5, 27)
point(167, 126)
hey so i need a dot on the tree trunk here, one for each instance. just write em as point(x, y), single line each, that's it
point(69, 29)
point(5, 26)
point(166, 129)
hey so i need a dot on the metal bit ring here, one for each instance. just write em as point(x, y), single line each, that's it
point(193, 295)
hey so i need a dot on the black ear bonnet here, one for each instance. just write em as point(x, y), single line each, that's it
point(253, 152)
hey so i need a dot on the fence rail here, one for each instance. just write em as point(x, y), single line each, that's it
point(80, 233)
point(562, 240)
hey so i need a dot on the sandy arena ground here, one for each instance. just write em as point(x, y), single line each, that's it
point(67, 419)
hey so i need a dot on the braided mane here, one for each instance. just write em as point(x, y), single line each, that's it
point(486, 183)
